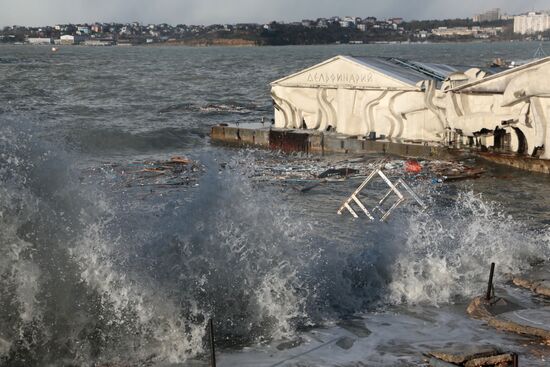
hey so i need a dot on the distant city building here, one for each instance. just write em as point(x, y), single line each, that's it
point(422, 34)
point(39, 41)
point(83, 30)
point(531, 23)
point(453, 32)
point(97, 28)
point(488, 16)
point(346, 23)
point(322, 23)
point(362, 27)
point(350, 19)
point(98, 42)
point(477, 32)
point(67, 39)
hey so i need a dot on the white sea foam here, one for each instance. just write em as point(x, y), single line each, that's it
point(447, 253)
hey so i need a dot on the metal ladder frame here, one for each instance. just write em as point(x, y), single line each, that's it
point(393, 189)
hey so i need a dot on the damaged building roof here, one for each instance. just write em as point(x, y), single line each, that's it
point(392, 72)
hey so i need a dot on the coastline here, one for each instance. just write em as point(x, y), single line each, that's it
point(251, 43)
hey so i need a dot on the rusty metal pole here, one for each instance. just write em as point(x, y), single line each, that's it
point(212, 347)
point(515, 360)
point(490, 285)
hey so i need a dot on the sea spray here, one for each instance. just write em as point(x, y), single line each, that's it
point(447, 251)
point(237, 252)
point(64, 295)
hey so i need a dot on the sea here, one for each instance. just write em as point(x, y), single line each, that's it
point(102, 265)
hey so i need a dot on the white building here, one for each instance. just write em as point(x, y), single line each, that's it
point(83, 30)
point(427, 102)
point(345, 24)
point(66, 39)
point(531, 23)
point(453, 32)
point(39, 41)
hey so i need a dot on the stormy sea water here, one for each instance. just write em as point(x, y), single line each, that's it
point(96, 272)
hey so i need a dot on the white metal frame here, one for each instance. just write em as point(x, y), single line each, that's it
point(393, 189)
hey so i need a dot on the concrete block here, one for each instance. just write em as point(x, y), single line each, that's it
point(354, 145)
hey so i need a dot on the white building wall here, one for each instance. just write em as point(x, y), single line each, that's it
point(40, 41)
point(531, 23)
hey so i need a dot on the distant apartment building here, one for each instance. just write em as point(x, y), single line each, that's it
point(531, 22)
point(488, 16)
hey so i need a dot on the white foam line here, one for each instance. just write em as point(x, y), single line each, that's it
point(306, 352)
point(526, 319)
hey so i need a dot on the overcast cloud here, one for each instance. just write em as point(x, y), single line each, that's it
point(47, 12)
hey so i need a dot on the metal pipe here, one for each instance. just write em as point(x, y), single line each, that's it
point(212, 347)
point(515, 360)
point(490, 284)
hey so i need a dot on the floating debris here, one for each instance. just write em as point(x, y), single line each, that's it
point(177, 171)
point(314, 171)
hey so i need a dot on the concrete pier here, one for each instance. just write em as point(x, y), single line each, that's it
point(316, 142)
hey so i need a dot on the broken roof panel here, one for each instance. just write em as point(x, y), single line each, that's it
point(396, 68)
point(497, 82)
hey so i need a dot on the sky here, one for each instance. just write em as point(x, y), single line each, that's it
point(49, 12)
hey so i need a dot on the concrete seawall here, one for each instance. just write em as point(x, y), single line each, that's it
point(316, 142)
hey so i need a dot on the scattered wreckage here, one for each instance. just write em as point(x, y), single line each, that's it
point(174, 173)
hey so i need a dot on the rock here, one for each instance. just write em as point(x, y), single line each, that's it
point(541, 287)
point(537, 280)
point(499, 360)
point(290, 344)
point(356, 327)
point(434, 362)
point(530, 322)
point(345, 343)
point(459, 353)
point(534, 322)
